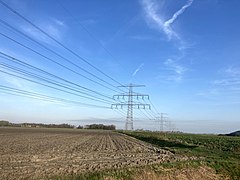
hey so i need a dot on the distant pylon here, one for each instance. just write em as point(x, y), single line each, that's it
point(130, 103)
point(161, 120)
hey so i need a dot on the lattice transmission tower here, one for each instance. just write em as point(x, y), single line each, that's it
point(129, 102)
point(161, 120)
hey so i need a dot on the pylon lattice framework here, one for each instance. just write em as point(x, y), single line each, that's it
point(161, 120)
point(130, 103)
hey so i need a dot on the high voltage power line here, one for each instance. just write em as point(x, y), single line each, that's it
point(49, 86)
point(55, 53)
point(123, 95)
point(18, 61)
point(37, 78)
point(58, 42)
point(150, 114)
point(28, 72)
point(55, 62)
point(52, 52)
point(19, 92)
point(47, 80)
point(144, 114)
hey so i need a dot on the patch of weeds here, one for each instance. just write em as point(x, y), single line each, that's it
point(220, 153)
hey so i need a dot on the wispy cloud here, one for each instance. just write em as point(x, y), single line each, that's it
point(172, 65)
point(54, 28)
point(230, 77)
point(227, 85)
point(138, 69)
point(232, 71)
point(12, 81)
point(172, 71)
point(227, 82)
point(8, 79)
point(153, 16)
point(59, 22)
point(209, 92)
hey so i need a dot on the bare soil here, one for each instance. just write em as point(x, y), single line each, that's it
point(37, 153)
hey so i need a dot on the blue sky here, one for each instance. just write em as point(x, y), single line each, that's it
point(185, 52)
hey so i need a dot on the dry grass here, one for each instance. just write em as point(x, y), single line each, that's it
point(200, 173)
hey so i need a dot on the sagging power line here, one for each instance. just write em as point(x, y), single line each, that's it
point(100, 81)
point(48, 74)
point(58, 42)
point(55, 62)
point(161, 120)
point(19, 92)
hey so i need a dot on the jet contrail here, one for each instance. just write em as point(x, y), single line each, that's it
point(136, 71)
point(150, 8)
point(179, 12)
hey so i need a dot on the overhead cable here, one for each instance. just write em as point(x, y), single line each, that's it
point(58, 42)
point(19, 92)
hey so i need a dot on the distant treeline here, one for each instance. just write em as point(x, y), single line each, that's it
point(100, 126)
point(236, 133)
point(6, 123)
point(40, 125)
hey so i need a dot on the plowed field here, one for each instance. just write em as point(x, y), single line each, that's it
point(35, 153)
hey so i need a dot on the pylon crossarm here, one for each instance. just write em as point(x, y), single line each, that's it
point(130, 104)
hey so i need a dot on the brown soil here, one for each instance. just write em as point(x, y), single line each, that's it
point(32, 153)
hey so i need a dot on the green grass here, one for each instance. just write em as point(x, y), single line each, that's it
point(219, 152)
point(124, 173)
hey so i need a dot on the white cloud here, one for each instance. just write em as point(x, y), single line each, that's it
point(209, 92)
point(172, 71)
point(53, 31)
point(54, 28)
point(227, 85)
point(31, 31)
point(153, 16)
point(59, 22)
point(172, 65)
point(12, 81)
point(227, 82)
point(230, 77)
point(232, 71)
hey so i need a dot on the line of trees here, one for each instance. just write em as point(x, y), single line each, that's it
point(7, 123)
point(100, 126)
point(40, 125)
point(4, 123)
